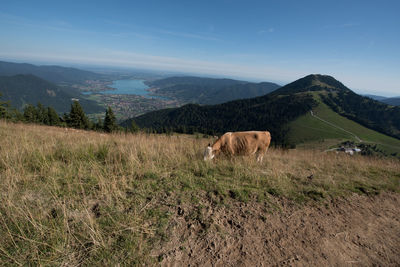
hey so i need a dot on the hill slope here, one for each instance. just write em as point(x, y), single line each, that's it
point(276, 110)
point(394, 101)
point(376, 97)
point(77, 198)
point(363, 110)
point(29, 89)
point(261, 113)
point(208, 90)
point(55, 74)
point(334, 129)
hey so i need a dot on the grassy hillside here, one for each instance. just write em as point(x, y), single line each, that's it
point(310, 129)
point(307, 129)
point(72, 197)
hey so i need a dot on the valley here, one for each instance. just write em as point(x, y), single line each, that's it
point(93, 86)
point(134, 97)
point(129, 97)
point(126, 105)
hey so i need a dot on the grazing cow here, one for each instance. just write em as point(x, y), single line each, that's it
point(240, 143)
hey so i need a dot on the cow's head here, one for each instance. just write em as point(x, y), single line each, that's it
point(208, 153)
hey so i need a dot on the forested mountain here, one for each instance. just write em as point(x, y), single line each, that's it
point(275, 110)
point(376, 97)
point(201, 81)
point(55, 74)
point(311, 83)
point(209, 90)
point(364, 110)
point(269, 112)
point(29, 89)
point(394, 101)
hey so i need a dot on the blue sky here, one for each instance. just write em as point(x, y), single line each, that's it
point(357, 42)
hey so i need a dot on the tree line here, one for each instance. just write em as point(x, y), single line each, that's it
point(270, 112)
point(76, 118)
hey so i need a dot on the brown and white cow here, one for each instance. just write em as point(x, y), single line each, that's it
point(240, 143)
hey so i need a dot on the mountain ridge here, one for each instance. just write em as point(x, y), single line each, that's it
point(312, 82)
point(25, 89)
point(276, 109)
point(394, 100)
point(52, 73)
point(200, 90)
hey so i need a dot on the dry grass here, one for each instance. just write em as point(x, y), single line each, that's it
point(72, 197)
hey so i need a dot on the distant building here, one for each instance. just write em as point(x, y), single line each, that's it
point(348, 150)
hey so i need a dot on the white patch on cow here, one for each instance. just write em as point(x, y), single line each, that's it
point(208, 154)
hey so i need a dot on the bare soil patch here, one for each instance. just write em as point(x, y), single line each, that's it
point(355, 231)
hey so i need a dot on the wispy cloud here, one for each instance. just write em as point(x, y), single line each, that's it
point(117, 23)
point(190, 35)
point(68, 27)
point(198, 36)
point(347, 25)
point(269, 30)
point(342, 25)
point(56, 25)
point(132, 34)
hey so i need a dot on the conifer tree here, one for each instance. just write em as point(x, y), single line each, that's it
point(77, 117)
point(3, 109)
point(42, 116)
point(98, 126)
point(110, 123)
point(16, 115)
point(134, 128)
point(30, 113)
point(53, 118)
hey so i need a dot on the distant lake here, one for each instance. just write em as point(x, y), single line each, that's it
point(128, 87)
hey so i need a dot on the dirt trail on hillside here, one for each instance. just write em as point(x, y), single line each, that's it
point(356, 231)
point(334, 125)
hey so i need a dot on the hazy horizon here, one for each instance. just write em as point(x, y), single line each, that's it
point(356, 42)
point(96, 68)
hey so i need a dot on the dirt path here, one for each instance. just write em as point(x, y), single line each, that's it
point(334, 125)
point(356, 231)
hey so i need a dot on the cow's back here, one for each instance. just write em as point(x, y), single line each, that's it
point(247, 142)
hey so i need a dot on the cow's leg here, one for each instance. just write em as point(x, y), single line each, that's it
point(260, 154)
